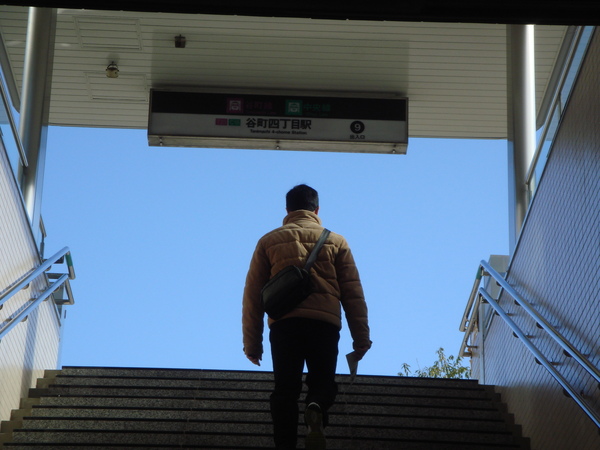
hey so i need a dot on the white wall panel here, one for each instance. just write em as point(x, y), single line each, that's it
point(556, 267)
point(32, 346)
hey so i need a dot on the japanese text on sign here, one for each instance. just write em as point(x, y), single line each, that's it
point(279, 124)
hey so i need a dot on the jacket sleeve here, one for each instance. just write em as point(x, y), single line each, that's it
point(352, 297)
point(252, 309)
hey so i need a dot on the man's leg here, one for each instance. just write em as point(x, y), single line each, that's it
point(321, 362)
point(288, 363)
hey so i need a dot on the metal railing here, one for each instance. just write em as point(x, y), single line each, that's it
point(481, 295)
point(576, 43)
point(57, 280)
point(9, 129)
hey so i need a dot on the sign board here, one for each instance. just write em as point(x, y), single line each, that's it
point(278, 121)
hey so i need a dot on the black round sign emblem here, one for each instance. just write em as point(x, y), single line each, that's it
point(357, 127)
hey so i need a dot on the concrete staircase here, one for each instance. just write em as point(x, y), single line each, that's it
point(78, 407)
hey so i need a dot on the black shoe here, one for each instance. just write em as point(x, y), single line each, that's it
point(313, 416)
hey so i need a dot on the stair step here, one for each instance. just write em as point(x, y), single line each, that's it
point(179, 408)
point(374, 410)
point(219, 444)
point(480, 400)
point(263, 380)
point(151, 388)
point(244, 436)
point(200, 374)
point(134, 372)
point(94, 420)
point(255, 401)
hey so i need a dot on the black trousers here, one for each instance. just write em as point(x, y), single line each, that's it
point(295, 341)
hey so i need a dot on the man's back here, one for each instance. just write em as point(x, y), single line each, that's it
point(334, 278)
point(310, 333)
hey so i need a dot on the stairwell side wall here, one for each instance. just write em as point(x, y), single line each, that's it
point(556, 266)
point(32, 346)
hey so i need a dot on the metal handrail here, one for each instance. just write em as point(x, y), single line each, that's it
point(61, 280)
point(554, 334)
point(471, 314)
point(593, 415)
point(13, 127)
point(543, 323)
point(33, 305)
point(467, 314)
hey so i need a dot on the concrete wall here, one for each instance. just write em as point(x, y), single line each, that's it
point(556, 267)
point(32, 346)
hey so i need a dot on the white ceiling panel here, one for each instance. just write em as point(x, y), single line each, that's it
point(454, 75)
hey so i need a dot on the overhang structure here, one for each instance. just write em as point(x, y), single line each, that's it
point(453, 74)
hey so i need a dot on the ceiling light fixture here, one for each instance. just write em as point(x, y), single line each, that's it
point(112, 70)
point(180, 41)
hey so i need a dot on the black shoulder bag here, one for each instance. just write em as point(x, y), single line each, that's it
point(290, 285)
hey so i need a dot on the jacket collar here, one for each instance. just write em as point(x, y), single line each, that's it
point(301, 215)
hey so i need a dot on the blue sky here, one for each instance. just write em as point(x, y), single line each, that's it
point(162, 238)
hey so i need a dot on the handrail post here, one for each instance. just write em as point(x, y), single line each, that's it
point(69, 259)
point(36, 273)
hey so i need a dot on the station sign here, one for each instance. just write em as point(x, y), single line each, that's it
point(278, 121)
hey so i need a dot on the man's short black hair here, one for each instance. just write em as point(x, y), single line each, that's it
point(302, 197)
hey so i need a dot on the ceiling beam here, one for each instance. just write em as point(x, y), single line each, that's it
point(549, 12)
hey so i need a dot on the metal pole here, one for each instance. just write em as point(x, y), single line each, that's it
point(35, 106)
point(521, 121)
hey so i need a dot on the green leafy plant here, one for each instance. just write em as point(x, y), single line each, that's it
point(444, 367)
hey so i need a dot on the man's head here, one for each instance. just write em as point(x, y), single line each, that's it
point(302, 197)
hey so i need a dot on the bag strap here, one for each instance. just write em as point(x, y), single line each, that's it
point(315, 251)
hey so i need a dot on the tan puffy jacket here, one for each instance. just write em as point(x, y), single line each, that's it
point(334, 278)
